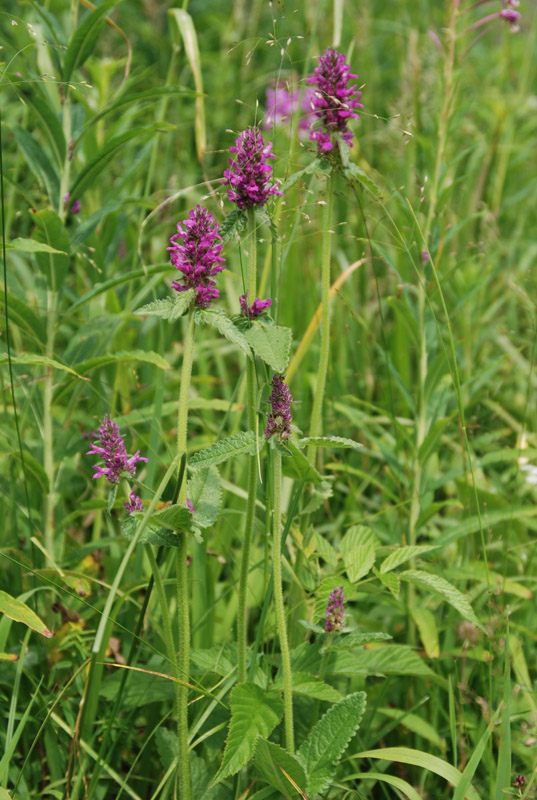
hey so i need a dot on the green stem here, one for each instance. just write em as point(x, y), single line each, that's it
point(278, 602)
point(242, 639)
point(316, 414)
point(48, 434)
point(183, 616)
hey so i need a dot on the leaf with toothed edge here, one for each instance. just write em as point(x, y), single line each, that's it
point(272, 343)
point(205, 494)
point(224, 325)
point(321, 752)
point(253, 713)
point(169, 308)
point(329, 441)
point(274, 764)
point(244, 442)
point(445, 589)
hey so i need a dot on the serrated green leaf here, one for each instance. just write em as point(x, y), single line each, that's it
point(445, 589)
point(353, 173)
point(176, 517)
point(426, 623)
point(233, 224)
point(402, 554)
point(358, 535)
point(253, 713)
point(217, 453)
point(329, 441)
point(355, 639)
point(321, 752)
point(273, 763)
point(224, 325)
point(152, 533)
point(169, 308)
point(19, 612)
point(205, 494)
point(84, 38)
point(51, 231)
point(310, 686)
point(315, 166)
point(390, 580)
point(311, 626)
point(390, 659)
point(296, 465)
point(326, 550)
point(272, 343)
point(358, 561)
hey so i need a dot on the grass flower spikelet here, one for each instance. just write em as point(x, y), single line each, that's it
point(111, 449)
point(195, 251)
point(334, 100)
point(248, 177)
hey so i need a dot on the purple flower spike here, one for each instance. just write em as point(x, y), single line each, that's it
point(190, 507)
point(135, 504)
point(281, 105)
point(279, 418)
point(334, 101)
point(111, 449)
point(335, 610)
point(197, 255)
point(249, 174)
point(253, 311)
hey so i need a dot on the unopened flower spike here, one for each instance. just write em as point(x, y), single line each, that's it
point(134, 503)
point(257, 307)
point(195, 251)
point(334, 100)
point(279, 418)
point(248, 176)
point(335, 610)
point(112, 451)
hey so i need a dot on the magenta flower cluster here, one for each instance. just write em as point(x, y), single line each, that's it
point(282, 104)
point(248, 178)
point(257, 307)
point(279, 418)
point(335, 610)
point(135, 504)
point(111, 449)
point(334, 100)
point(195, 251)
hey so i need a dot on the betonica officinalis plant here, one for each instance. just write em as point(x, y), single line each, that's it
point(268, 463)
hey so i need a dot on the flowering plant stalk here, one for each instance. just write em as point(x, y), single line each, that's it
point(279, 425)
point(248, 186)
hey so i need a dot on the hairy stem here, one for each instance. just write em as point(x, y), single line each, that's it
point(316, 414)
point(242, 640)
point(183, 617)
point(278, 603)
